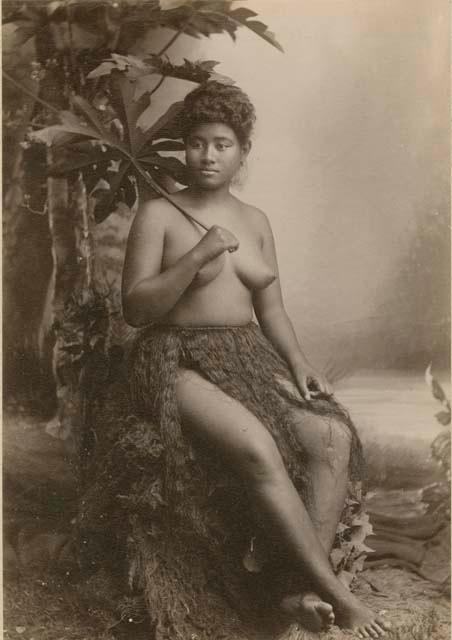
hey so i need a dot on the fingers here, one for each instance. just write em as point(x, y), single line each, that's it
point(315, 386)
point(324, 386)
point(233, 245)
point(304, 389)
point(321, 384)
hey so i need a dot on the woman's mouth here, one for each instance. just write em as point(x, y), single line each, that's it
point(208, 172)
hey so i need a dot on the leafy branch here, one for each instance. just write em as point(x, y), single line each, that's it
point(87, 145)
point(29, 93)
point(143, 71)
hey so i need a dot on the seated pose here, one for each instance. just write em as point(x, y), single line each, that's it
point(257, 453)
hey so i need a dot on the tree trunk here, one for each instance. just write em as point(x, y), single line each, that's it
point(61, 286)
point(27, 265)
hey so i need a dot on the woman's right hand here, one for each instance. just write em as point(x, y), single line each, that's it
point(216, 241)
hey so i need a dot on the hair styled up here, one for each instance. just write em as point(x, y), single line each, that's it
point(217, 102)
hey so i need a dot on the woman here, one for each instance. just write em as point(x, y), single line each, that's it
point(241, 411)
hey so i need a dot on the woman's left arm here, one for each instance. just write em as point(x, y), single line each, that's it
point(276, 325)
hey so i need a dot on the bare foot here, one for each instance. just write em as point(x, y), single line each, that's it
point(309, 610)
point(356, 616)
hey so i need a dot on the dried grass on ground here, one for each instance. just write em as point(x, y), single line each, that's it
point(48, 608)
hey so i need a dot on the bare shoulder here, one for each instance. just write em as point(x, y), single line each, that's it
point(257, 218)
point(153, 219)
point(154, 213)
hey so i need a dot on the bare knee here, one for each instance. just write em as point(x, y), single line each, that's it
point(226, 426)
point(260, 460)
point(324, 439)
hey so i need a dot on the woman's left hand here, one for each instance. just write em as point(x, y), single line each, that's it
point(311, 382)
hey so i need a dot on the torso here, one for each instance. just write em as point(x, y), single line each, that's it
point(221, 293)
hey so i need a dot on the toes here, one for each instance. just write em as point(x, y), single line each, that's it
point(330, 621)
point(324, 608)
point(371, 631)
point(384, 624)
point(325, 611)
point(380, 630)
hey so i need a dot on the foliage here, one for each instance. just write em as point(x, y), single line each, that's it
point(143, 70)
point(443, 416)
point(100, 153)
point(438, 493)
point(350, 550)
point(110, 133)
point(82, 345)
point(194, 18)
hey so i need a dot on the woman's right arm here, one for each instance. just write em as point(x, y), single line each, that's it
point(147, 292)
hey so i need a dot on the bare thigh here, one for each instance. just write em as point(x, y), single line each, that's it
point(213, 417)
point(324, 438)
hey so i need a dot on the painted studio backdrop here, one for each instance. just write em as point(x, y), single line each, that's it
point(350, 160)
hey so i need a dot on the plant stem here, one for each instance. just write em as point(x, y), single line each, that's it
point(171, 41)
point(165, 194)
point(176, 35)
point(30, 93)
point(158, 85)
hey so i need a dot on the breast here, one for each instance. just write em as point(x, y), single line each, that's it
point(253, 271)
point(249, 268)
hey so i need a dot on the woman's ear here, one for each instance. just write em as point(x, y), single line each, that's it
point(246, 148)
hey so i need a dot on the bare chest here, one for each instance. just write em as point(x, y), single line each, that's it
point(247, 264)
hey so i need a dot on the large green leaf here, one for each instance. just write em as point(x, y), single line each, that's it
point(59, 134)
point(83, 143)
point(242, 16)
point(168, 145)
point(144, 71)
point(167, 126)
point(174, 167)
point(90, 115)
point(122, 92)
point(134, 65)
point(77, 162)
point(108, 202)
point(215, 16)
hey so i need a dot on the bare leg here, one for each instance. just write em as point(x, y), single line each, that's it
point(250, 449)
point(327, 446)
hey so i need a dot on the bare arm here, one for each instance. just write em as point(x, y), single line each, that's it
point(275, 322)
point(148, 293)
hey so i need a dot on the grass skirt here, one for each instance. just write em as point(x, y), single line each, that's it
point(196, 546)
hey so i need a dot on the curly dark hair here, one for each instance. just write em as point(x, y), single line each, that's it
point(217, 102)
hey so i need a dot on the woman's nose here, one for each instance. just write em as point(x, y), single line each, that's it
point(208, 155)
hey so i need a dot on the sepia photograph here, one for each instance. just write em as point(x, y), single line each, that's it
point(226, 319)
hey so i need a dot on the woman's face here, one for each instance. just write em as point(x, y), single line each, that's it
point(213, 154)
